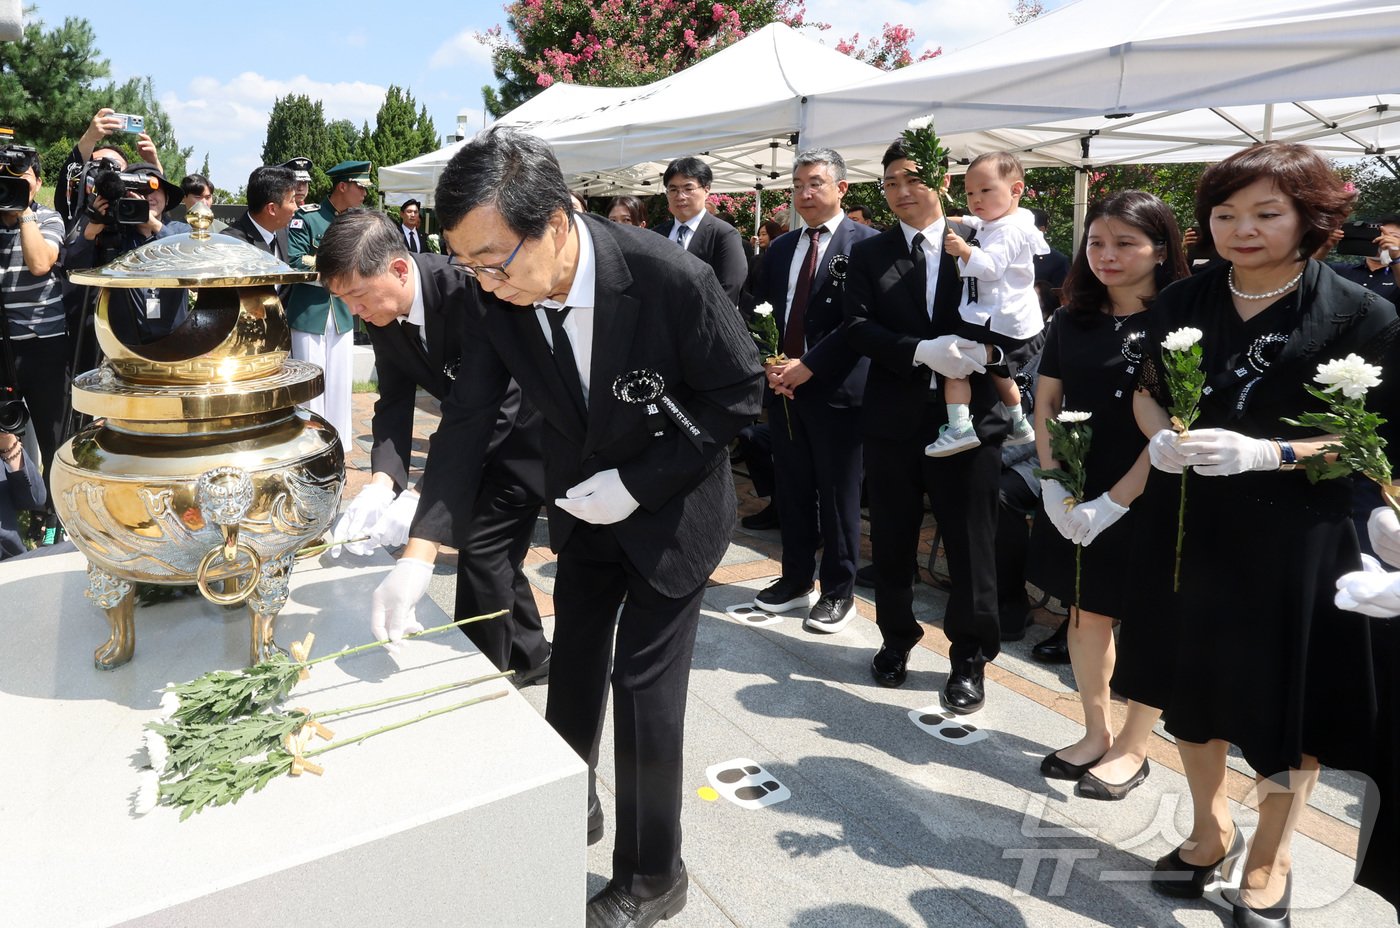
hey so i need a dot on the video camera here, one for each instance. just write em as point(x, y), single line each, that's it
point(105, 180)
point(1359, 238)
point(15, 161)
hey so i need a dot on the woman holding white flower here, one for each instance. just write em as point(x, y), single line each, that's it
point(1265, 660)
point(1130, 249)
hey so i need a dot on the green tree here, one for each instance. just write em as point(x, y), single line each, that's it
point(401, 130)
point(296, 127)
point(46, 80)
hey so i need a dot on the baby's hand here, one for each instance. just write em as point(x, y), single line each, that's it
point(956, 245)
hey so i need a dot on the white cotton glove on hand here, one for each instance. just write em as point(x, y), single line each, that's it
point(391, 611)
point(359, 518)
point(1088, 520)
point(1372, 591)
point(951, 356)
point(1163, 451)
point(601, 499)
point(392, 528)
point(1221, 453)
point(1054, 496)
point(1384, 531)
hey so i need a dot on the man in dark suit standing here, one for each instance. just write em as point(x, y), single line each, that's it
point(271, 205)
point(410, 304)
point(816, 425)
point(410, 227)
point(901, 308)
point(643, 373)
point(691, 227)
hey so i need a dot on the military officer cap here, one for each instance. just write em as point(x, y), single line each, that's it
point(300, 168)
point(357, 172)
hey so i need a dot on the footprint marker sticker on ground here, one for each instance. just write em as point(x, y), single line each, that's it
point(946, 726)
point(746, 783)
point(749, 614)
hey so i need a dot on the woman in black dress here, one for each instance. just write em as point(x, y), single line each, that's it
point(1265, 660)
point(1130, 250)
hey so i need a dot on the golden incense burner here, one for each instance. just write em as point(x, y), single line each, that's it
point(198, 468)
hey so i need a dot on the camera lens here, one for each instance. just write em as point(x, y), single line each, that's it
point(13, 416)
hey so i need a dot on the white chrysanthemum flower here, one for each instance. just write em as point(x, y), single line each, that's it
point(1070, 416)
point(763, 309)
point(922, 122)
point(156, 751)
point(1182, 339)
point(169, 702)
point(1352, 375)
point(147, 793)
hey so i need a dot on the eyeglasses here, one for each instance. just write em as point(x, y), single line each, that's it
point(687, 190)
point(493, 271)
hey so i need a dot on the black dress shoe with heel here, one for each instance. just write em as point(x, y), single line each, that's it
point(616, 908)
point(964, 693)
point(890, 666)
point(595, 821)
point(1175, 877)
point(1275, 916)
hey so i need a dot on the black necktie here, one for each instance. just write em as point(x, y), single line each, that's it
point(414, 334)
point(564, 360)
point(920, 260)
point(412, 240)
point(795, 331)
point(682, 233)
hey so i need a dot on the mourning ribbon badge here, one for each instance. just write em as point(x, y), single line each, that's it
point(1246, 370)
point(648, 388)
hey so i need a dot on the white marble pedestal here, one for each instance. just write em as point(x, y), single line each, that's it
point(475, 818)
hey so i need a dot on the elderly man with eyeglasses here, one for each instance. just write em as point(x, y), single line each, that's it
point(701, 233)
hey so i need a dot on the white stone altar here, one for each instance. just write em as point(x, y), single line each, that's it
point(474, 818)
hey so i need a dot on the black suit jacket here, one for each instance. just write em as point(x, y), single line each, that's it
point(838, 370)
point(652, 313)
point(719, 245)
point(886, 319)
point(418, 236)
point(243, 228)
point(404, 365)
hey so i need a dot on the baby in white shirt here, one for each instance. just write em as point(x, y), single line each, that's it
point(1000, 308)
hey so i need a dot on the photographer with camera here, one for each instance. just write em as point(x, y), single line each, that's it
point(126, 211)
point(1379, 244)
point(74, 188)
point(20, 489)
point(33, 334)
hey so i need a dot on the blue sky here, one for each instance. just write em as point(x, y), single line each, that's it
point(218, 67)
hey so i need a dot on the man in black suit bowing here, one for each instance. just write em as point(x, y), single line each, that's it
point(643, 373)
point(706, 236)
point(816, 426)
point(271, 205)
point(901, 308)
point(411, 303)
point(411, 227)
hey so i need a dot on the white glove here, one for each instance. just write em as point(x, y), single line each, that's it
point(601, 499)
point(1164, 453)
point(1384, 530)
point(1370, 592)
point(391, 612)
point(1088, 520)
point(359, 517)
point(1221, 453)
point(392, 527)
point(1055, 498)
point(951, 356)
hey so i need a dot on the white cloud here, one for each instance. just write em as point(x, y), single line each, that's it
point(463, 49)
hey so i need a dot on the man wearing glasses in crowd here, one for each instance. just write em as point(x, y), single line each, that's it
point(708, 237)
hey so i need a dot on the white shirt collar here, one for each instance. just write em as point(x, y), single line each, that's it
point(581, 291)
point(417, 312)
point(932, 235)
point(266, 235)
point(830, 226)
point(693, 222)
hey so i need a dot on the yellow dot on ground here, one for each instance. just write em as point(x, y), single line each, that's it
point(707, 794)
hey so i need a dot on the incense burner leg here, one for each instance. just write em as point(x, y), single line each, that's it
point(264, 604)
point(117, 598)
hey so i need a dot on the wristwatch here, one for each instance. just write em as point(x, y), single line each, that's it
point(30, 218)
point(1288, 458)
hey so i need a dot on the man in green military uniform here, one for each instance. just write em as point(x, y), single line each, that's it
point(321, 325)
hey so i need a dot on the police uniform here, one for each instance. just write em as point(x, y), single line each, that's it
point(321, 324)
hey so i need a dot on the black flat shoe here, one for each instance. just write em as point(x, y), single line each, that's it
point(1275, 916)
point(1175, 877)
point(1056, 767)
point(890, 666)
point(614, 908)
point(1091, 787)
point(595, 821)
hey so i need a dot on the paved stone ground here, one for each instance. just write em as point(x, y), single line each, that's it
point(889, 826)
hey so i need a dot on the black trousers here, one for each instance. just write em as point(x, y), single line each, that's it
point(818, 470)
point(650, 657)
point(41, 367)
point(1017, 500)
point(490, 577)
point(962, 491)
point(756, 453)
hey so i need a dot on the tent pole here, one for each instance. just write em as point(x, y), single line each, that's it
point(1081, 203)
point(1268, 122)
point(757, 208)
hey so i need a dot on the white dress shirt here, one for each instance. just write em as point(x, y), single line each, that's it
point(417, 313)
point(693, 223)
point(1003, 262)
point(578, 324)
point(933, 255)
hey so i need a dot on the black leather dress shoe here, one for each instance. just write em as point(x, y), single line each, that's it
point(595, 821)
point(865, 577)
point(890, 667)
point(964, 693)
point(613, 908)
point(1055, 649)
point(532, 675)
point(766, 518)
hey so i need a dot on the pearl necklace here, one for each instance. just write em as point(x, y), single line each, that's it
point(1268, 294)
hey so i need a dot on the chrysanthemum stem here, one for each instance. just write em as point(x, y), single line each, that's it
point(406, 722)
point(427, 631)
point(365, 706)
